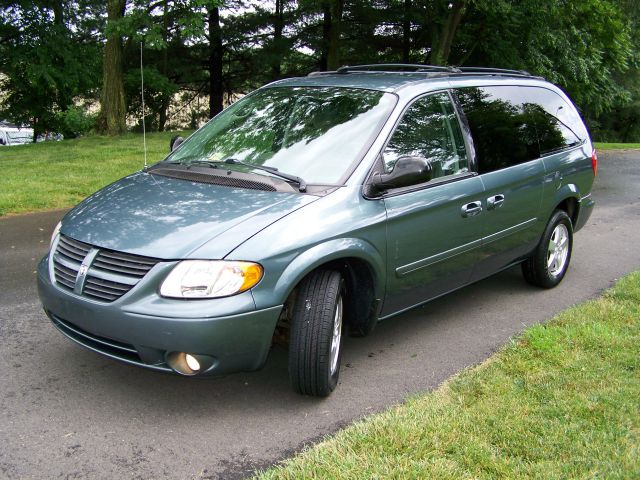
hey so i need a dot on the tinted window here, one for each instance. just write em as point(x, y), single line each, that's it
point(430, 129)
point(557, 123)
point(502, 125)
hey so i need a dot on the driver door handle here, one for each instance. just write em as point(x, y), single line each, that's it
point(472, 209)
point(495, 202)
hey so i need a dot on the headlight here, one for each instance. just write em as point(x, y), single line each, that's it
point(55, 233)
point(210, 279)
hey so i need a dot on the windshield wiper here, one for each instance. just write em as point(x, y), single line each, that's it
point(302, 185)
point(210, 163)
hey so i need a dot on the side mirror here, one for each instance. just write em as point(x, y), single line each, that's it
point(175, 142)
point(409, 170)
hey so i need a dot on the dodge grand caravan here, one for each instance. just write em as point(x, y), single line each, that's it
point(317, 206)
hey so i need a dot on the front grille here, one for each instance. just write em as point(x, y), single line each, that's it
point(109, 274)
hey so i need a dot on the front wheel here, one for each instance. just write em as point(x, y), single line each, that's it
point(549, 263)
point(315, 346)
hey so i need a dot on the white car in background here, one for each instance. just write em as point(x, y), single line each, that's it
point(13, 135)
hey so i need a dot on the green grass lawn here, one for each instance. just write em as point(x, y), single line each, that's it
point(616, 146)
point(60, 174)
point(561, 401)
point(52, 175)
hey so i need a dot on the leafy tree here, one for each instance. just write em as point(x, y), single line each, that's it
point(46, 61)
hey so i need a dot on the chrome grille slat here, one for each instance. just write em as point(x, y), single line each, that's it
point(64, 268)
point(91, 292)
point(72, 248)
point(125, 280)
point(64, 274)
point(124, 263)
point(66, 262)
point(65, 281)
point(128, 257)
point(113, 288)
point(62, 250)
point(120, 269)
point(68, 241)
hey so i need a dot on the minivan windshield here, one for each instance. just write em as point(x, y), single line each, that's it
point(316, 133)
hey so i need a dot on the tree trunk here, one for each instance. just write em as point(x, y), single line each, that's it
point(333, 51)
point(164, 66)
point(278, 27)
point(406, 32)
point(326, 29)
point(331, 26)
point(215, 62)
point(441, 47)
point(112, 113)
point(58, 13)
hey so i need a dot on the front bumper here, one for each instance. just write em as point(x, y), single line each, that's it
point(123, 330)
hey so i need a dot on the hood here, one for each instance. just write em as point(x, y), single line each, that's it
point(168, 218)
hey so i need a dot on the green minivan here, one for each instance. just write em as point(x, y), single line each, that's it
point(315, 207)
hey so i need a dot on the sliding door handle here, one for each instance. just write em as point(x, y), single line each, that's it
point(495, 202)
point(472, 209)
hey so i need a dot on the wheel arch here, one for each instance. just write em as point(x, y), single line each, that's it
point(362, 267)
point(568, 200)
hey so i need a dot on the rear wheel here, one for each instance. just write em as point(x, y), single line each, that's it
point(549, 263)
point(315, 346)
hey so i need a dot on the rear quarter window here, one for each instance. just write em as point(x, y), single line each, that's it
point(558, 124)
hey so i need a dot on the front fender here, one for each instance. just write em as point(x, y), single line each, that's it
point(275, 291)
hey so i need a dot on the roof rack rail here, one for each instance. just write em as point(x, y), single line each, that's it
point(320, 73)
point(436, 70)
point(397, 67)
point(488, 70)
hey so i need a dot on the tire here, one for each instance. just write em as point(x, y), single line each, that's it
point(315, 346)
point(549, 263)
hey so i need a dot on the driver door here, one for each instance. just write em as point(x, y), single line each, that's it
point(434, 229)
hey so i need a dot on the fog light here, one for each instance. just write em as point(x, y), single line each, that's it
point(192, 362)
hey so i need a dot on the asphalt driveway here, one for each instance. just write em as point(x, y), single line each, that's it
point(66, 412)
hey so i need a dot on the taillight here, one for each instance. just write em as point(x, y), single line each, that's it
point(594, 162)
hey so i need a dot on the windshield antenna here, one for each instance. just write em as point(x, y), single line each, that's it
point(144, 129)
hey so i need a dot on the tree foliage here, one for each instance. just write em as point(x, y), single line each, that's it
point(55, 54)
point(44, 64)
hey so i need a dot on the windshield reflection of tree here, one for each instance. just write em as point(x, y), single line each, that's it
point(288, 128)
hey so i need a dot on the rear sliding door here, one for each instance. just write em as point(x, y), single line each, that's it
point(501, 120)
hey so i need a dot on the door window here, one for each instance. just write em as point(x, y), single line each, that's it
point(429, 129)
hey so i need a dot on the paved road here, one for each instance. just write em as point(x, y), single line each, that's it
point(66, 412)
